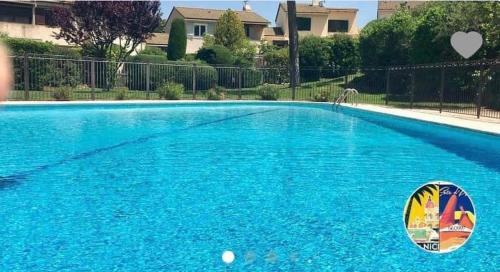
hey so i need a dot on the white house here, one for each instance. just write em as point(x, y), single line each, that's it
point(203, 21)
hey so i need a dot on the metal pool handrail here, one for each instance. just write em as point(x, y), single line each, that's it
point(345, 93)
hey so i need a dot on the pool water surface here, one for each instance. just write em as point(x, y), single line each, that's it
point(286, 187)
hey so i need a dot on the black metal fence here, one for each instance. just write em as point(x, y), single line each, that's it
point(467, 87)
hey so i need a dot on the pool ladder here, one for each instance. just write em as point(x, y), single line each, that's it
point(343, 96)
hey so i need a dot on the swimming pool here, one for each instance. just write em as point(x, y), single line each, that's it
point(286, 186)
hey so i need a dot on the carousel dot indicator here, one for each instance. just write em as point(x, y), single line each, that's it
point(228, 257)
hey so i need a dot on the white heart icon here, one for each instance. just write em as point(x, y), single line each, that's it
point(466, 44)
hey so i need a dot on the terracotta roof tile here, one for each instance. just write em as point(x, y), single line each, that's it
point(214, 14)
point(158, 39)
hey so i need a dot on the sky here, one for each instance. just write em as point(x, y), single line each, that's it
point(267, 9)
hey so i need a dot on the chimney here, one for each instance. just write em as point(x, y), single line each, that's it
point(316, 2)
point(246, 6)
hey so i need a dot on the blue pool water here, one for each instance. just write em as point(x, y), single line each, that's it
point(287, 187)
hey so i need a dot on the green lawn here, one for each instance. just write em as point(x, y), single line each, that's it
point(306, 92)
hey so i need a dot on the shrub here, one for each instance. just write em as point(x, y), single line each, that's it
point(269, 92)
point(216, 93)
point(21, 46)
point(228, 78)
point(276, 57)
point(170, 91)
point(344, 51)
point(322, 96)
point(182, 73)
point(61, 93)
point(314, 52)
point(155, 51)
point(245, 54)
point(190, 57)
point(120, 93)
point(216, 54)
point(45, 72)
point(177, 40)
point(251, 78)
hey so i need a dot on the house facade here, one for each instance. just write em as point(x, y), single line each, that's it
point(314, 19)
point(30, 20)
point(200, 22)
point(387, 8)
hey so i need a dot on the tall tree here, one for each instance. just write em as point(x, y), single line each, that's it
point(108, 29)
point(388, 41)
point(294, 47)
point(177, 40)
point(111, 29)
point(229, 31)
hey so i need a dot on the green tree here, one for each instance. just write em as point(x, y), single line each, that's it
point(387, 41)
point(344, 51)
point(177, 40)
point(483, 17)
point(229, 31)
point(314, 51)
point(423, 35)
point(314, 54)
point(427, 45)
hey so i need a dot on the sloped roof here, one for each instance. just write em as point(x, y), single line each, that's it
point(158, 39)
point(308, 8)
point(273, 31)
point(214, 14)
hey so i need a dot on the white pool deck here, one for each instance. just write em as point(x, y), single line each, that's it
point(483, 124)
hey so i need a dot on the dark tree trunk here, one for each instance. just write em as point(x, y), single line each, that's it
point(293, 47)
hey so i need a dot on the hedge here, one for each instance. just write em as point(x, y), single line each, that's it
point(216, 55)
point(47, 72)
point(228, 77)
point(161, 71)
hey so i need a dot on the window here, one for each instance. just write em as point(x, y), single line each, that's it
point(199, 30)
point(303, 24)
point(338, 25)
point(15, 14)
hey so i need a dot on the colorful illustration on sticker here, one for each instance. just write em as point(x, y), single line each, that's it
point(439, 217)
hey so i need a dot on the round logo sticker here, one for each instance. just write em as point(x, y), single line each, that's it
point(439, 217)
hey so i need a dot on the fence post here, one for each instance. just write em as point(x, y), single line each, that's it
point(148, 80)
point(412, 88)
point(92, 79)
point(479, 94)
point(26, 78)
point(194, 80)
point(441, 90)
point(387, 80)
point(239, 82)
